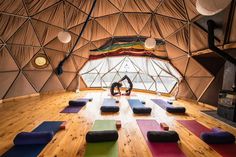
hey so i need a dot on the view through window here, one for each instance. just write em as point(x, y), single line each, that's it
point(146, 73)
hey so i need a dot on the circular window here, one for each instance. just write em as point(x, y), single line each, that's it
point(40, 61)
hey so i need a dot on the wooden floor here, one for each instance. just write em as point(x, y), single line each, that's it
point(26, 114)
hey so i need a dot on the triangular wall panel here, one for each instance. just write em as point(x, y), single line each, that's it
point(135, 6)
point(7, 63)
point(66, 78)
point(109, 22)
point(53, 84)
point(168, 25)
point(5, 21)
point(45, 32)
point(22, 54)
point(25, 36)
point(13, 7)
point(180, 39)
point(6, 79)
point(51, 14)
point(124, 28)
point(35, 6)
point(137, 20)
point(174, 52)
point(20, 87)
point(171, 8)
point(37, 78)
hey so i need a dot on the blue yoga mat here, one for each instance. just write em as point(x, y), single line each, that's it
point(135, 103)
point(33, 150)
point(109, 102)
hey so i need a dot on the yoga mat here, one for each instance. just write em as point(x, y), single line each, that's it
point(158, 149)
point(135, 103)
point(33, 150)
point(226, 150)
point(71, 109)
point(163, 104)
point(109, 102)
point(74, 109)
point(102, 149)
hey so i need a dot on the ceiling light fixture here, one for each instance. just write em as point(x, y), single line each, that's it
point(211, 7)
point(150, 43)
point(64, 37)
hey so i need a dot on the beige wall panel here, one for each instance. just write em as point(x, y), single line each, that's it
point(151, 28)
point(180, 64)
point(66, 78)
point(22, 54)
point(25, 36)
point(195, 69)
point(168, 25)
point(79, 62)
point(124, 28)
point(45, 32)
point(174, 52)
point(109, 22)
point(102, 8)
point(137, 20)
point(35, 6)
point(7, 63)
point(98, 32)
point(12, 6)
point(6, 79)
point(73, 16)
point(135, 6)
point(37, 78)
point(198, 84)
point(51, 14)
point(185, 91)
point(180, 39)
point(74, 85)
point(53, 84)
point(173, 9)
point(191, 8)
point(20, 87)
point(118, 3)
point(5, 21)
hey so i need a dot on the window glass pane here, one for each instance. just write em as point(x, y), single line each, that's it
point(144, 72)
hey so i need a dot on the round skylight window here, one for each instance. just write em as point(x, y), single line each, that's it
point(40, 61)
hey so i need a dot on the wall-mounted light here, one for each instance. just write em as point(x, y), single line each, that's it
point(211, 7)
point(150, 43)
point(64, 37)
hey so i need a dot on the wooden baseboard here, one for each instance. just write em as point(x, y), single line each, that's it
point(20, 97)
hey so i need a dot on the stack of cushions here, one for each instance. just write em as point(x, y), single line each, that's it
point(102, 136)
point(30, 138)
point(162, 136)
point(218, 136)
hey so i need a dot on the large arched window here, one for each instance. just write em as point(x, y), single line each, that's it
point(146, 73)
